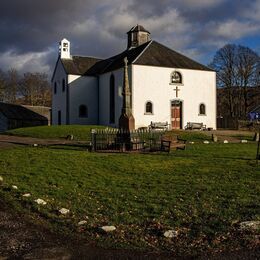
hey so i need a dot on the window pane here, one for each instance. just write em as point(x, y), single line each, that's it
point(149, 107)
point(202, 109)
point(83, 111)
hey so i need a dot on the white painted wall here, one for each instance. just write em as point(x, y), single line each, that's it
point(83, 91)
point(59, 99)
point(153, 84)
point(104, 87)
point(148, 83)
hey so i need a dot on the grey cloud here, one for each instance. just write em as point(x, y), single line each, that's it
point(98, 28)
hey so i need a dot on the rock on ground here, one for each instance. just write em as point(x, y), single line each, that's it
point(250, 225)
point(41, 202)
point(108, 228)
point(64, 211)
point(170, 233)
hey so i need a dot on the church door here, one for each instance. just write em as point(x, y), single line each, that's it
point(176, 114)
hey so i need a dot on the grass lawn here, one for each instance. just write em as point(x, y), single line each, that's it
point(80, 132)
point(202, 193)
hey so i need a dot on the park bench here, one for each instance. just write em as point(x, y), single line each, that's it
point(166, 143)
point(159, 125)
point(195, 125)
point(175, 142)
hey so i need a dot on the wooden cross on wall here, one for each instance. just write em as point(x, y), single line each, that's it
point(177, 90)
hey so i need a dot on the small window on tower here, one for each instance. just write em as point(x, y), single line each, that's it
point(65, 44)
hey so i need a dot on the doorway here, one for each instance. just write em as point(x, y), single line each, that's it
point(176, 114)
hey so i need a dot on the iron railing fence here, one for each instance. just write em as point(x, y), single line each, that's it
point(122, 140)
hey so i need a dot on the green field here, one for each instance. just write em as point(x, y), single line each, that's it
point(82, 133)
point(202, 193)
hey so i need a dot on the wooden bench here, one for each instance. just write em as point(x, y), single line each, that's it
point(175, 142)
point(165, 146)
point(159, 125)
point(167, 143)
point(194, 125)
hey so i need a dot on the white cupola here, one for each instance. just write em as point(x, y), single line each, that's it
point(64, 49)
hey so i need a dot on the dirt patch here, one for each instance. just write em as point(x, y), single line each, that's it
point(22, 239)
point(232, 136)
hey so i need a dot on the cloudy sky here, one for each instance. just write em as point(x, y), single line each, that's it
point(31, 29)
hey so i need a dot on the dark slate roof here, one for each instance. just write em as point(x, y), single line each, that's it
point(17, 112)
point(117, 61)
point(78, 65)
point(159, 55)
point(151, 53)
point(138, 28)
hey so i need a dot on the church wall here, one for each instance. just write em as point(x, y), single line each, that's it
point(83, 91)
point(104, 87)
point(59, 99)
point(153, 84)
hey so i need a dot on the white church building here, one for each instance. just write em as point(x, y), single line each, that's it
point(165, 86)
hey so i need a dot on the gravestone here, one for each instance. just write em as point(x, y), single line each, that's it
point(214, 138)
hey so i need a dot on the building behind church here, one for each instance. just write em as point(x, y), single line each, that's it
point(165, 85)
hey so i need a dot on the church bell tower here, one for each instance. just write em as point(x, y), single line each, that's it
point(64, 49)
point(137, 36)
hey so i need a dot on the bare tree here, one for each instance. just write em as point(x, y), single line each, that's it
point(35, 89)
point(2, 85)
point(237, 70)
point(248, 73)
point(12, 81)
point(224, 64)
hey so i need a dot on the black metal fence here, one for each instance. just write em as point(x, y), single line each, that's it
point(119, 140)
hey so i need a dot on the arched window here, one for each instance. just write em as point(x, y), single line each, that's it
point(83, 111)
point(202, 109)
point(176, 77)
point(63, 85)
point(148, 107)
point(112, 100)
point(55, 87)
